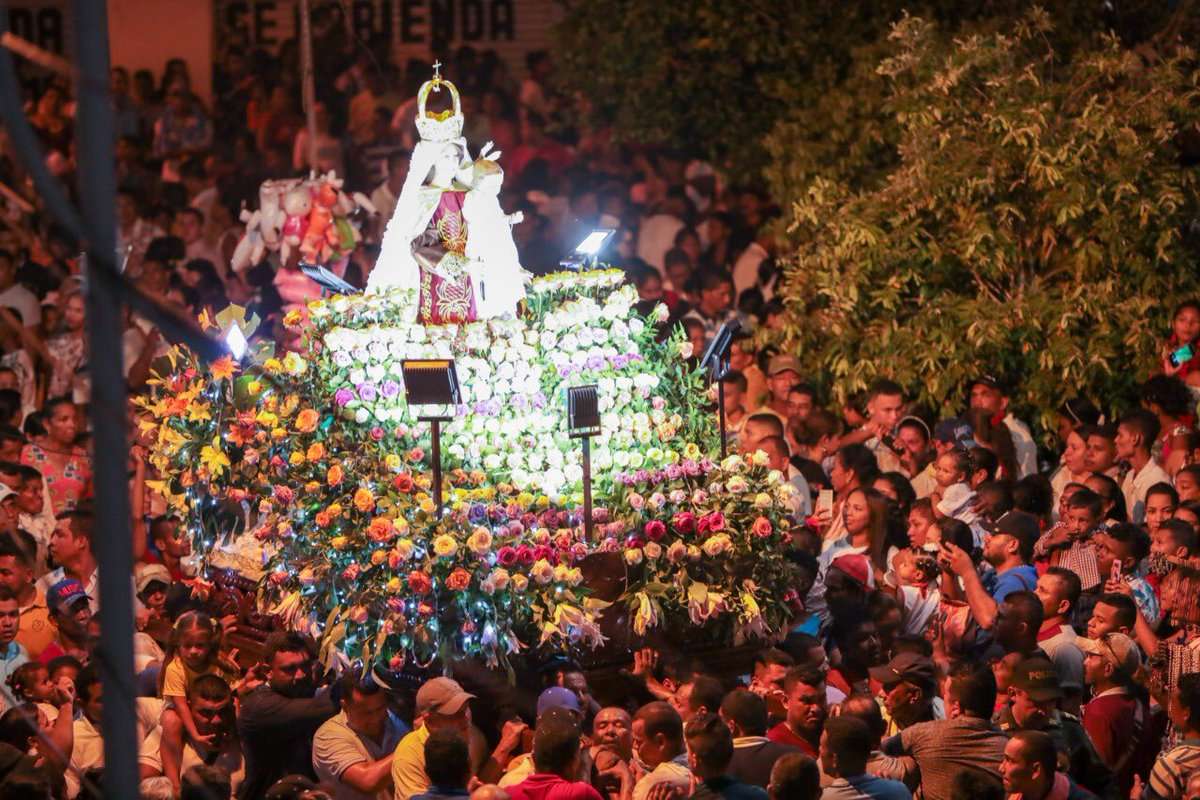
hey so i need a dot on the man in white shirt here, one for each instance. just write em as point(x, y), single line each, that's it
point(1059, 591)
point(71, 548)
point(658, 744)
point(14, 295)
point(1136, 433)
point(990, 394)
point(352, 751)
point(191, 230)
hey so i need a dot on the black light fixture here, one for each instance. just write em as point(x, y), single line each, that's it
point(587, 252)
point(432, 382)
point(716, 361)
point(583, 422)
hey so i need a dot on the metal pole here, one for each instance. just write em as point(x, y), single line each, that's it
point(437, 465)
point(306, 78)
point(112, 544)
point(721, 412)
point(587, 488)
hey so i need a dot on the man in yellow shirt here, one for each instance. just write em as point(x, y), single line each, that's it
point(441, 704)
point(16, 573)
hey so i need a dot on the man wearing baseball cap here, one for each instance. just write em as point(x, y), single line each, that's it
point(441, 704)
point(783, 372)
point(909, 683)
point(990, 394)
point(1115, 719)
point(70, 612)
point(556, 700)
point(1033, 705)
point(1008, 547)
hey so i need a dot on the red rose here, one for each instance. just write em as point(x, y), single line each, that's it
point(419, 582)
point(507, 556)
point(684, 522)
point(713, 522)
point(403, 482)
point(655, 530)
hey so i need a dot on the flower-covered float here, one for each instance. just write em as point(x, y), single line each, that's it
point(308, 470)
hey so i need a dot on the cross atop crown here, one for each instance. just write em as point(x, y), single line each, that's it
point(437, 71)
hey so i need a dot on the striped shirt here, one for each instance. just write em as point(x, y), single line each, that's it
point(1168, 779)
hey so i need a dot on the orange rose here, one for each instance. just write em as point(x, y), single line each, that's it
point(458, 580)
point(334, 476)
point(306, 420)
point(364, 501)
point(381, 529)
point(323, 519)
point(316, 451)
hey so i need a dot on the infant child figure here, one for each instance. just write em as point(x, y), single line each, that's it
point(917, 573)
point(497, 276)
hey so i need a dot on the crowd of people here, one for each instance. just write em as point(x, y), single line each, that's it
point(982, 616)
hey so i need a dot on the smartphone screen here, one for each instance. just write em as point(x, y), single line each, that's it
point(1182, 355)
point(1115, 572)
point(825, 500)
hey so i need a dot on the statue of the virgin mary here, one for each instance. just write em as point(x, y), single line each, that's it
point(428, 246)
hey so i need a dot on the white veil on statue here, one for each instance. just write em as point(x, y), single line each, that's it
point(396, 267)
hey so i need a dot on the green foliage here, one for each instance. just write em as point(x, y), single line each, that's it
point(1034, 222)
point(715, 77)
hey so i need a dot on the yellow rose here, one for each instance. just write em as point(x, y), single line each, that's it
point(426, 505)
point(296, 459)
point(338, 542)
point(518, 583)
point(279, 434)
point(480, 542)
point(378, 557)
point(335, 510)
point(394, 585)
point(393, 462)
point(273, 365)
point(364, 501)
point(444, 546)
point(294, 364)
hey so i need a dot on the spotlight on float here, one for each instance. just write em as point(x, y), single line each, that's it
point(235, 340)
point(716, 361)
point(583, 422)
point(434, 383)
point(587, 252)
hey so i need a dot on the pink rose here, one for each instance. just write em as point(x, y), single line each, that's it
point(762, 527)
point(507, 556)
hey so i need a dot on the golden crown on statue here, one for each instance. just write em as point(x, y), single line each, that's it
point(443, 126)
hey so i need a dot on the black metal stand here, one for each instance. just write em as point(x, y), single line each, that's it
point(435, 430)
point(587, 487)
point(719, 373)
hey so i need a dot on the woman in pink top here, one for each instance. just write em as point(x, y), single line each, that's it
point(66, 467)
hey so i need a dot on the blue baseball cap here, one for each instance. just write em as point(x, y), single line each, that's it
point(558, 697)
point(64, 594)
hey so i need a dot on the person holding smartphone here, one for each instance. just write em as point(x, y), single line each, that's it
point(1179, 350)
